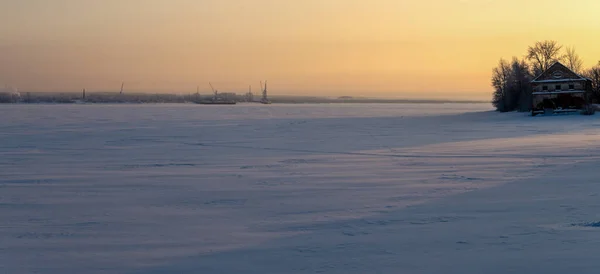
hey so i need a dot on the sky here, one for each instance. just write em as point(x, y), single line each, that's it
point(380, 48)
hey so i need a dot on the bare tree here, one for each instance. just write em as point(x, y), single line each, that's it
point(594, 75)
point(543, 54)
point(572, 59)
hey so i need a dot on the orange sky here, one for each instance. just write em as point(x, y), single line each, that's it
point(400, 48)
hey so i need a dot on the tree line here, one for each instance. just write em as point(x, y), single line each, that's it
point(511, 79)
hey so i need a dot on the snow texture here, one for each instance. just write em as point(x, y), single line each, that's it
point(441, 188)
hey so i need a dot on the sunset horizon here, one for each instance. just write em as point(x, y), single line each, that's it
point(439, 49)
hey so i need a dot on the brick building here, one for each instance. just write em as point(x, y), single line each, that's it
point(559, 89)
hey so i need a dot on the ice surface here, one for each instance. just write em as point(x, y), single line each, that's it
point(398, 188)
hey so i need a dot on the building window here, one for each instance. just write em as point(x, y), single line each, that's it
point(557, 74)
point(571, 86)
point(558, 87)
point(545, 88)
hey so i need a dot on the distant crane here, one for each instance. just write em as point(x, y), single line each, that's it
point(265, 99)
point(250, 96)
point(216, 100)
point(264, 94)
point(215, 92)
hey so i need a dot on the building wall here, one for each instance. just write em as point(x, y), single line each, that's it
point(569, 100)
point(578, 85)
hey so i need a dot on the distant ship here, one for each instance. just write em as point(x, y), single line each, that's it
point(216, 100)
point(82, 100)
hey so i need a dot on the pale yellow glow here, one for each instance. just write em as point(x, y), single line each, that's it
point(400, 48)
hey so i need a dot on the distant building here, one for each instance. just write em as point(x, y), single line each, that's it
point(9, 95)
point(559, 89)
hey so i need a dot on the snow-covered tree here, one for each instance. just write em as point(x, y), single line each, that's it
point(520, 84)
point(500, 80)
point(511, 82)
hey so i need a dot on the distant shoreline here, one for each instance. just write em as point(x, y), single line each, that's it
point(148, 98)
point(248, 103)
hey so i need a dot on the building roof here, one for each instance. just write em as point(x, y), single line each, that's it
point(558, 73)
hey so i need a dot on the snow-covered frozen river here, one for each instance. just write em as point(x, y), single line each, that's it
point(390, 188)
